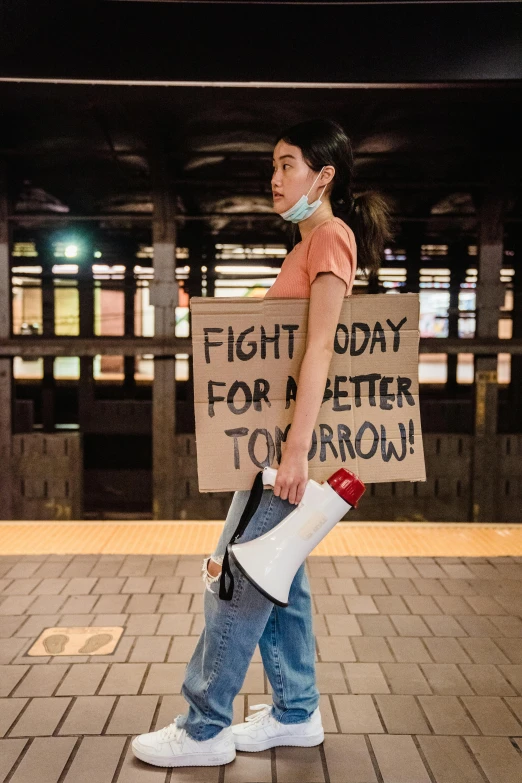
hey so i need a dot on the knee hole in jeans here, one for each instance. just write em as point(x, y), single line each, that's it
point(208, 578)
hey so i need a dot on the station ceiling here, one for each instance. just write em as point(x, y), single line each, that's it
point(95, 96)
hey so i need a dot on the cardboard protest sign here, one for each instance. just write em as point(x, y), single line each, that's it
point(247, 354)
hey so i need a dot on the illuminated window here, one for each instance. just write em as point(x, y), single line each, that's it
point(504, 368)
point(143, 310)
point(24, 250)
point(506, 275)
point(144, 367)
point(108, 368)
point(182, 328)
point(255, 289)
point(434, 278)
point(182, 272)
point(465, 368)
point(147, 251)
point(235, 252)
point(392, 278)
point(27, 303)
point(108, 272)
point(27, 369)
point(434, 313)
point(245, 280)
point(505, 328)
point(67, 249)
point(109, 304)
point(394, 254)
point(66, 307)
point(467, 321)
point(507, 306)
point(433, 251)
point(242, 280)
point(433, 368)
point(66, 368)
point(182, 367)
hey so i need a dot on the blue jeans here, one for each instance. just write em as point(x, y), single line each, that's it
point(218, 667)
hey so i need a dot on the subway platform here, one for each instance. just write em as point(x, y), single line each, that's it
point(418, 653)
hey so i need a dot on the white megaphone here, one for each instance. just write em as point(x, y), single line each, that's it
point(271, 561)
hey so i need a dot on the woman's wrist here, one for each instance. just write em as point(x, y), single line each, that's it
point(297, 446)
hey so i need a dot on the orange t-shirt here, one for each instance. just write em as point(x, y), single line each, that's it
point(329, 247)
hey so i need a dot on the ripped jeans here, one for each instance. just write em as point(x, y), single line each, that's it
point(218, 667)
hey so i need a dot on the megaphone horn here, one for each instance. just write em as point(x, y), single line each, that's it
point(271, 561)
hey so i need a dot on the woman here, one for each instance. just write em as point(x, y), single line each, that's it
point(311, 157)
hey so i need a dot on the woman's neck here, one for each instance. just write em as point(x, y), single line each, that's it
point(320, 215)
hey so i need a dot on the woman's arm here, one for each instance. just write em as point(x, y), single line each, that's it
point(326, 299)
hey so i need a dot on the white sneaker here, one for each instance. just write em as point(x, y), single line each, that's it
point(172, 747)
point(262, 731)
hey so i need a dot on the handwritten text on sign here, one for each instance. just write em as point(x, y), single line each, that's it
point(247, 355)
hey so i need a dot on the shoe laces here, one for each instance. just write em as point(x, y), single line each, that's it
point(173, 733)
point(264, 710)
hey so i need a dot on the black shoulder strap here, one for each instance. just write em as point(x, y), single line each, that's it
point(250, 509)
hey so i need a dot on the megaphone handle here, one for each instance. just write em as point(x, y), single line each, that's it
point(250, 509)
point(269, 476)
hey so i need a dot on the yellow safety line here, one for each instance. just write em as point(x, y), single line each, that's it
point(381, 539)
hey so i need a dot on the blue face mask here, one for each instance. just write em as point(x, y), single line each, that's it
point(302, 209)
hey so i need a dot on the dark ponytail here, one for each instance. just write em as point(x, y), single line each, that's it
point(370, 221)
point(324, 143)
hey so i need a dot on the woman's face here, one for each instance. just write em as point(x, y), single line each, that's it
point(291, 177)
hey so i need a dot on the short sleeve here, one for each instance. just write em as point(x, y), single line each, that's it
point(330, 250)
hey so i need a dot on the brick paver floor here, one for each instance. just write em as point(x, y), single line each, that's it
point(419, 665)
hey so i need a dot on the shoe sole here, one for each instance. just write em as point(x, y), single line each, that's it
point(299, 742)
point(197, 760)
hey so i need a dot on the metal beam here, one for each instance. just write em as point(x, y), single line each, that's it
point(479, 346)
point(167, 348)
point(42, 220)
point(262, 85)
point(320, 2)
point(162, 348)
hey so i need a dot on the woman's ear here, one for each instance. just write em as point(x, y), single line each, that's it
point(327, 175)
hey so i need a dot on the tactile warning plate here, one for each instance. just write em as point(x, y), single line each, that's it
point(92, 640)
point(360, 539)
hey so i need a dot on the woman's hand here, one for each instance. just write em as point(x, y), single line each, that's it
point(292, 474)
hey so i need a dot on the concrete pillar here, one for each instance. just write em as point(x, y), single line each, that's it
point(6, 365)
point(198, 257)
point(164, 297)
point(46, 258)
point(485, 479)
point(412, 238)
point(86, 295)
point(457, 262)
point(515, 386)
point(200, 254)
point(45, 253)
point(86, 396)
point(86, 306)
point(48, 394)
point(129, 383)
